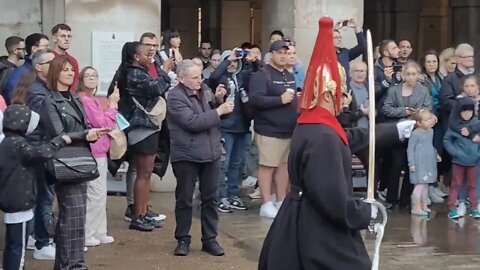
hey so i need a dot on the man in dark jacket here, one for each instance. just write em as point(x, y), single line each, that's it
point(36, 93)
point(272, 92)
point(234, 128)
point(345, 55)
point(17, 175)
point(387, 72)
point(196, 150)
point(15, 47)
point(33, 43)
point(451, 87)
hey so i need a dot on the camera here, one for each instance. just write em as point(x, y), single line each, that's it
point(241, 52)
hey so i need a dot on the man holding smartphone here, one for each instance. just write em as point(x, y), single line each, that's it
point(345, 55)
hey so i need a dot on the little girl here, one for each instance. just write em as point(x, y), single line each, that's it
point(422, 161)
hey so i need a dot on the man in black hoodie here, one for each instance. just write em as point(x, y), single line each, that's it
point(15, 47)
point(17, 175)
point(272, 94)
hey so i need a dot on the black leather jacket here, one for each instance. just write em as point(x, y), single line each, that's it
point(58, 117)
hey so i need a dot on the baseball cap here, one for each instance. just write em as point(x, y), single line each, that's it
point(278, 45)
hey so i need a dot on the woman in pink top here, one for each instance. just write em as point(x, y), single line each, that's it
point(96, 222)
point(3, 105)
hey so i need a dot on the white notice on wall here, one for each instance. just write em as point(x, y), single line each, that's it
point(107, 55)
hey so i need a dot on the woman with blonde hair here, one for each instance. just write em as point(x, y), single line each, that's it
point(402, 102)
point(96, 220)
point(447, 62)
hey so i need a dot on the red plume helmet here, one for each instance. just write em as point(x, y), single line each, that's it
point(324, 73)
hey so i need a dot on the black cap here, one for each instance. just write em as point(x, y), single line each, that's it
point(278, 45)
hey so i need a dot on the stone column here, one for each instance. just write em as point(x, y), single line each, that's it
point(299, 20)
point(465, 24)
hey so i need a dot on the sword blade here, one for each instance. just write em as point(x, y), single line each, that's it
point(371, 120)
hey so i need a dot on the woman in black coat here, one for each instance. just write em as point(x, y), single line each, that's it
point(62, 113)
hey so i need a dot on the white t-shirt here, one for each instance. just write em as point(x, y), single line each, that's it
point(18, 217)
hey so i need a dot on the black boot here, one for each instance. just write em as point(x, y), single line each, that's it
point(213, 248)
point(182, 249)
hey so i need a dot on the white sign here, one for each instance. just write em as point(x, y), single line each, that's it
point(107, 56)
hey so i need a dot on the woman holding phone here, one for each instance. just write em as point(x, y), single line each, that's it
point(401, 103)
point(96, 220)
point(62, 113)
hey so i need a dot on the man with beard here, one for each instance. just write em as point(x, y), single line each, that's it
point(15, 47)
point(319, 223)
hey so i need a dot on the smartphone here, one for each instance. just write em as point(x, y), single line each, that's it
point(397, 68)
point(345, 23)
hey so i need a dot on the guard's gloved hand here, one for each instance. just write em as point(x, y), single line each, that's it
point(374, 208)
point(405, 129)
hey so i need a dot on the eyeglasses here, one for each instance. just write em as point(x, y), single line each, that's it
point(45, 63)
point(466, 56)
point(21, 49)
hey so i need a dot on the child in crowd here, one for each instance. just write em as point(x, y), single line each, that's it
point(470, 89)
point(17, 180)
point(465, 155)
point(422, 161)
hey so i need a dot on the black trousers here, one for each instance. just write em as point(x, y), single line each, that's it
point(70, 230)
point(399, 163)
point(187, 174)
point(16, 236)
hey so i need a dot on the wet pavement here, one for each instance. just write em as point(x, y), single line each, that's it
point(409, 243)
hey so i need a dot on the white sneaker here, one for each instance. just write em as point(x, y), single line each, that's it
point(92, 242)
point(85, 249)
point(268, 210)
point(278, 205)
point(255, 195)
point(46, 253)
point(461, 209)
point(434, 197)
point(249, 182)
point(439, 192)
point(107, 240)
point(30, 243)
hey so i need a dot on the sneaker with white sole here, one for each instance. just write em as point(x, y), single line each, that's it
point(237, 203)
point(256, 195)
point(46, 253)
point(152, 215)
point(92, 242)
point(31, 243)
point(439, 192)
point(106, 240)
point(249, 181)
point(224, 206)
point(278, 205)
point(433, 196)
point(268, 210)
point(462, 209)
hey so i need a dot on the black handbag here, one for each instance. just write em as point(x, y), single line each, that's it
point(73, 165)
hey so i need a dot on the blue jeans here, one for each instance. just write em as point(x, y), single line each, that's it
point(234, 146)
point(43, 208)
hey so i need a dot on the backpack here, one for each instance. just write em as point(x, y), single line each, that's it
point(248, 109)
